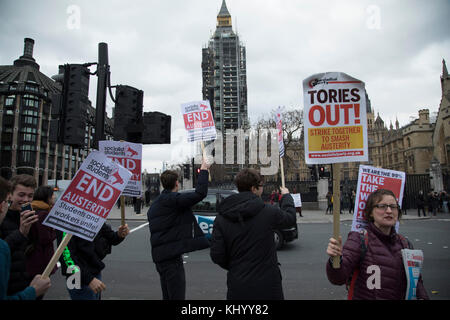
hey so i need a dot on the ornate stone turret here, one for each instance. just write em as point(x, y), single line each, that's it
point(224, 17)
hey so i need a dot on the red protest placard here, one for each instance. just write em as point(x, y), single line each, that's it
point(87, 201)
point(198, 121)
point(371, 179)
point(129, 155)
point(335, 123)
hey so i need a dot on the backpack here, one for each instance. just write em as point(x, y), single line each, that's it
point(364, 237)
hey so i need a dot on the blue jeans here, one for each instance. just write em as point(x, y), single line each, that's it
point(85, 293)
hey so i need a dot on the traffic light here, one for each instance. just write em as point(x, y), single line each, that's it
point(128, 122)
point(70, 107)
point(156, 128)
point(312, 172)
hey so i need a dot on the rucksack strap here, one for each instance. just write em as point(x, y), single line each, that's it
point(405, 242)
point(364, 242)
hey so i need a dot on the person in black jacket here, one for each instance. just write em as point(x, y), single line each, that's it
point(174, 230)
point(15, 228)
point(87, 257)
point(243, 243)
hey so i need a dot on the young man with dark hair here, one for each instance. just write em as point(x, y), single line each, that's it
point(243, 243)
point(174, 230)
point(15, 228)
point(38, 286)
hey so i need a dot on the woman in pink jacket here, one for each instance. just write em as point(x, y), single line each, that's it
point(383, 253)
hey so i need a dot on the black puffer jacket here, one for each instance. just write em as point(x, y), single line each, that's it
point(243, 243)
point(9, 231)
point(173, 227)
point(88, 255)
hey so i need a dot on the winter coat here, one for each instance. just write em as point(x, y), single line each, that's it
point(29, 293)
point(242, 243)
point(41, 237)
point(383, 251)
point(88, 255)
point(19, 279)
point(420, 201)
point(173, 227)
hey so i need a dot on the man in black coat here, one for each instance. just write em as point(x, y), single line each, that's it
point(243, 243)
point(174, 230)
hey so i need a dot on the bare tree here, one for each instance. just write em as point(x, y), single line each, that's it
point(292, 123)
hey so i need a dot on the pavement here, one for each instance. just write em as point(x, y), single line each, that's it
point(309, 216)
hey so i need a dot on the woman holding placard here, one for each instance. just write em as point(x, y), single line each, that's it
point(373, 259)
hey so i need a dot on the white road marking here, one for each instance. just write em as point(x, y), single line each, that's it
point(137, 228)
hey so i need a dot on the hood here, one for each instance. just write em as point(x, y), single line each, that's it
point(240, 206)
point(39, 205)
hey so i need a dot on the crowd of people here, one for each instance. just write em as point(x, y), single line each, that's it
point(27, 245)
point(242, 242)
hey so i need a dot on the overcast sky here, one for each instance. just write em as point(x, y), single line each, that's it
point(395, 47)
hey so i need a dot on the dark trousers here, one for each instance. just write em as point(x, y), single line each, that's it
point(173, 279)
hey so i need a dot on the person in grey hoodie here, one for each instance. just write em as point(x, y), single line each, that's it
point(242, 240)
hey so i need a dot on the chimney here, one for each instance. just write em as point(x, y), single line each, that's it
point(27, 58)
point(28, 48)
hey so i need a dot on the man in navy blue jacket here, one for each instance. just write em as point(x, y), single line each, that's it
point(174, 230)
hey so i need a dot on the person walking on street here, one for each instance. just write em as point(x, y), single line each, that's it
point(242, 240)
point(38, 286)
point(329, 197)
point(421, 203)
point(174, 230)
point(383, 249)
point(352, 201)
point(434, 202)
point(445, 199)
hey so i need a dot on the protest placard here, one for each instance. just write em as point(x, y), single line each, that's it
point(85, 204)
point(279, 124)
point(371, 179)
point(413, 262)
point(129, 155)
point(280, 132)
point(198, 121)
point(335, 120)
point(297, 199)
point(335, 126)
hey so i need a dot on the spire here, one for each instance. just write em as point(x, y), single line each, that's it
point(444, 68)
point(397, 124)
point(224, 10)
point(224, 17)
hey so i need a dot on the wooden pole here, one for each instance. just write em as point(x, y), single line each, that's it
point(282, 172)
point(336, 207)
point(56, 256)
point(122, 210)
point(122, 205)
